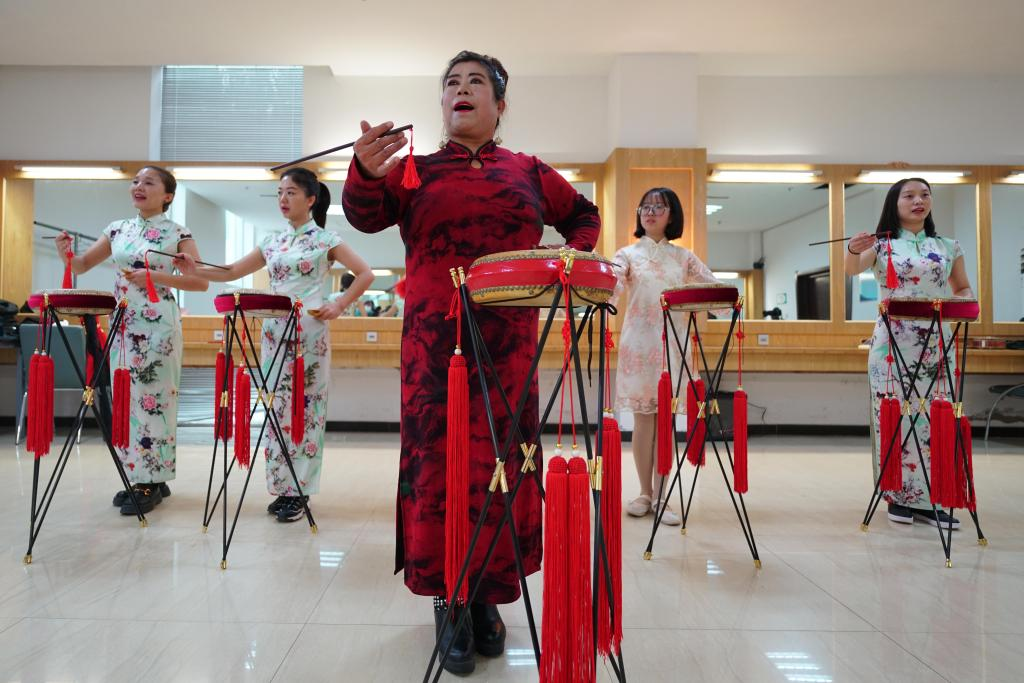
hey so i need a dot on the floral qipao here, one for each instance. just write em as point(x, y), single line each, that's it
point(923, 265)
point(648, 268)
point(152, 346)
point(298, 266)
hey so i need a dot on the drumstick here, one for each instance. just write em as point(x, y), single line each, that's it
point(393, 131)
point(838, 239)
point(174, 256)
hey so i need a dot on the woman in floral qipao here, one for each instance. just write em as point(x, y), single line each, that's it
point(298, 259)
point(152, 341)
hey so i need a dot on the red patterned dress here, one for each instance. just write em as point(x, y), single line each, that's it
point(459, 214)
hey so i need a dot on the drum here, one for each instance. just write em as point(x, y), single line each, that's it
point(922, 308)
point(527, 278)
point(74, 301)
point(700, 297)
point(254, 303)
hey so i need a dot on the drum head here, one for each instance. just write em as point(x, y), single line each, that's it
point(74, 301)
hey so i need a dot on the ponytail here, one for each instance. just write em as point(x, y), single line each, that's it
point(323, 201)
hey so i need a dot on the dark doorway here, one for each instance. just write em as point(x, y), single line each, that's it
point(812, 295)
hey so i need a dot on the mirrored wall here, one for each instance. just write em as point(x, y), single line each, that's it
point(1008, 252)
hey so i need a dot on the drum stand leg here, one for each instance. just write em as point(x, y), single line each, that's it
point(41, 502)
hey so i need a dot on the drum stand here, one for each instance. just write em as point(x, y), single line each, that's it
point(265, 395)
point(484, 364)
point(41, 503)
point(907, 377)
point(709, 412)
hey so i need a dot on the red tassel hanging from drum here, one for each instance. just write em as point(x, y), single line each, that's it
point(555, 633)
point(609, 634)
point(943, 478)
point(695, 427)
point(965, 468)
point(890, 430)
point(243, 416)
point(581, 660)
point(298, 400)
point(410, 177)
point(122, 405)
point(150, 289)
point(666, 432)
point(891, 279)
point(31, 415)
point(456, 506)
point(44, 374)
point(223, 404)
point(739, 438)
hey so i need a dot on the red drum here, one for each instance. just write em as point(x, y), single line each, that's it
point(254, 302)
point(527, 278)
point(700, 297)
point(921, 308)
point(74, 301)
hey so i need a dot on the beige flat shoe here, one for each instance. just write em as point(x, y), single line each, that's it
point(669, 517)
point(639, 506)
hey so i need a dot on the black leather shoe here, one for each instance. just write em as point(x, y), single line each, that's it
point(460, 657)
point(488, 629)
point(148, 496)
point(121, 496)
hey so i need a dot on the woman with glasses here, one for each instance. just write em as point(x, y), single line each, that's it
point(648, 267)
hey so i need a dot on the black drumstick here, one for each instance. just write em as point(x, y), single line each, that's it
point(174, 256)
point(393, 131)
point(838, 239)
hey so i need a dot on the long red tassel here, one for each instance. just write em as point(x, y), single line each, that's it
point(410, 177)
point(298, 400)
point(44, 378)
point(68, 282)
point(609, 635)
point(695, 446)
point(242, 416)
point(31, 415)
point(578, 585)
point(555, 633)
point(943, 478)
point(890, 429)
point(739, 441)
point(456, 529)
point(666, 433)
point(891, 280)
point(224, 399)
point(965, 469)
point(150, 289)
point(122, 408)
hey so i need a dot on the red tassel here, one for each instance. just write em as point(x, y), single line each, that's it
point(224, 400)
point(581, 613)
point(243, 418)
point(43, 405)
point(965, 469)
point(739, 441)
point(891, 280)
point(943, 478)
point(609, 635)
point(122, 408)
point(890, 429)
point(666, 431)
point(694, 427)
point(31, 415)
point(555, 633)
point(456, 506)
point(68, 282)
point(410, 177)
point(298, 400)
point(150, 289)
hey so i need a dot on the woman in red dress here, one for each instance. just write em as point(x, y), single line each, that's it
point(475, 199)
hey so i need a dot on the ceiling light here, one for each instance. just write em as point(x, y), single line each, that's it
point(333, 175)
point(72, 172)
point(766, 176)
point(222, 173)
point(890, 177)
point(569, 174)
point(382, 272)
point(1016, 177)
point(712, 208)
point(725, 275)
point(335, 210)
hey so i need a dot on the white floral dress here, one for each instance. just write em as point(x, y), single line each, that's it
point(648, 268)
point(923, 265)
point(152, 346)
point(298, 266)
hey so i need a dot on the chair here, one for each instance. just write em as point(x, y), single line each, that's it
point(64, 376)
point(1003, 390)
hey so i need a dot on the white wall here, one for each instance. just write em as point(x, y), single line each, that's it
point(75, 113)
point(206, 221)
point(733, 250)
point(786, 253)
point(1008, 252)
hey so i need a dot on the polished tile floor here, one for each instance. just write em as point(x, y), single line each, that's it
point(105, 600)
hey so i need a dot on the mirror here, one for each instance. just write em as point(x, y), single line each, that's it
point(954, 209)
point(760, 232)
point(1008, 253)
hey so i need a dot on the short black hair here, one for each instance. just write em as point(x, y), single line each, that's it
point(674, 229)
point(889, 221)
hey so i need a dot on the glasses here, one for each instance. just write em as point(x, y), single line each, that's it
point(653, 209)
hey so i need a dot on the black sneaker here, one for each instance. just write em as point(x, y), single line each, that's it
point(292, 509)
point(940, 518)
point(488, 629)
point(121, 496)
point(460, 655)
point(276, 505)
point(147, 496)
point(901, 514)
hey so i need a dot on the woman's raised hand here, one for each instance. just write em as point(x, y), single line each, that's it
point(861, 242)
point(185, 264)
point(375, 149)
point(63, 244)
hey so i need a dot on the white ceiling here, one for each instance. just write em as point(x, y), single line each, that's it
point(756, 207)
point(537, 37)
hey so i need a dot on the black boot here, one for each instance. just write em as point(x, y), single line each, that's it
point(488, 629)
point(460, 657)
point(121, 496)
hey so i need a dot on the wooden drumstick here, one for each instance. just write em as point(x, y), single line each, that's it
point(174, 256)
point(393, 131)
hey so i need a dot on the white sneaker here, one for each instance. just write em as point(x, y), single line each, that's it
point(668, 517)
point(639, 506)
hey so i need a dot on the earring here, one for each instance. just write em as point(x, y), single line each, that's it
point(497, 139)
point(444, 141)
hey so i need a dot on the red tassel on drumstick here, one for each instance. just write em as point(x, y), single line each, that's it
point(410, 178)
point(891, 280)
point(456, 508)
point(150, 289)
point(68, 282)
